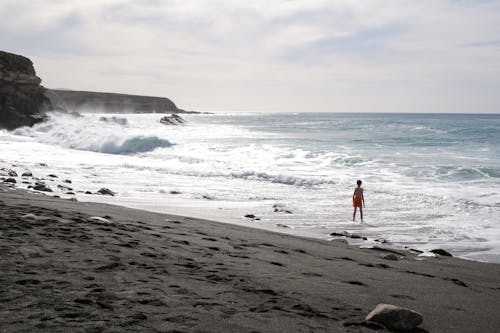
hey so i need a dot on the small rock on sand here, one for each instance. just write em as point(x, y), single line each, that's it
point(395, 317)
point(390, 256)
point(441, 252)
point(381, 240)
point(29, 216)
point(42, 187)
point(106, 191)
point(348, 235)
point(278, 208)
point(10, 180)
point(27, 174)
point(428, 254)
point(99, 219)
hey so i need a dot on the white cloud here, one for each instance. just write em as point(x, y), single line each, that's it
point(261, 55)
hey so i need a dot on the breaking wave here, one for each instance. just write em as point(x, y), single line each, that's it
point(260, 177)
point(84, 133)
point(133, 145)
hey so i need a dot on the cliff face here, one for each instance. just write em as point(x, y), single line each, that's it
point(22, 99)
point(88, 101)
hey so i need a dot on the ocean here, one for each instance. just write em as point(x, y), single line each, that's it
point(430, 180)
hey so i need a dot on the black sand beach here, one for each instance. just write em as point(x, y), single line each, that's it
point(63, 270)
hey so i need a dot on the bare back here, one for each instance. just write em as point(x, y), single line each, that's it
point(358, 192)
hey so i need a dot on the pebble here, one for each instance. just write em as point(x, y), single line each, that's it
point(390, 256)
point(106, 191)
point(395, 317)
point(42, 187)
point(428, 254)
point(99, 219)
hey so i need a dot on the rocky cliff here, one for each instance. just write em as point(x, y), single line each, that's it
point(89, 101)
point(23, 101)
point(22, 98)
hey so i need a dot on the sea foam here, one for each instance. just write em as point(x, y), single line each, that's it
point(90, 134)
point(431, 181)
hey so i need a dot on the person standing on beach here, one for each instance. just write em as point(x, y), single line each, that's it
point(358, 200)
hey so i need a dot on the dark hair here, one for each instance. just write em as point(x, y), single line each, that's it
point(359, 182)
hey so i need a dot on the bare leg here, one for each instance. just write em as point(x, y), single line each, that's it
point(361, 213)
point(354, 214)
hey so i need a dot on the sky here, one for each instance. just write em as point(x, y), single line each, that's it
point(265, 55)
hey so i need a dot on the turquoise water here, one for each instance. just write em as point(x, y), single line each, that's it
point(444, 141)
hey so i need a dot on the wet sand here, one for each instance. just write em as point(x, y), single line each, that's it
point(85, 267)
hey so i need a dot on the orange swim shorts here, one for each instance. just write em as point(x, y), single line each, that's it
point(357, 202)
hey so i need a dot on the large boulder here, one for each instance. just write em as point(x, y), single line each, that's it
point(394, 317)
point(22, 98)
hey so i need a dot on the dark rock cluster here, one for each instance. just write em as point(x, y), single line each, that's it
point(173, 119)
point(23, 101)
point(48, 183)
point(22, 98)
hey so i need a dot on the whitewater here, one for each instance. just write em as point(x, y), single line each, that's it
point(430, 180)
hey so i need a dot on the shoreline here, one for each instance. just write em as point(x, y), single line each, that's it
point(418, 214)
point(94, 267)
point(60, 188)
